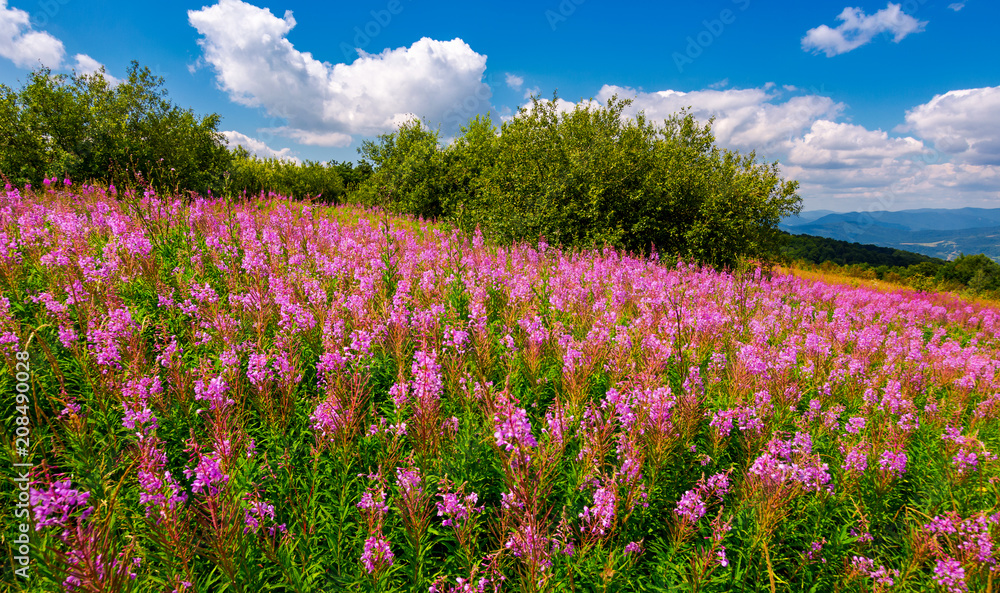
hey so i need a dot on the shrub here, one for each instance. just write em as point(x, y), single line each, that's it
point(588, 177)
point(87, 129)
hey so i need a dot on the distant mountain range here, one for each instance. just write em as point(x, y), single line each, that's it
point(937, 232)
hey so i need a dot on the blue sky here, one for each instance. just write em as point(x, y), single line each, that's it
point(871, 106)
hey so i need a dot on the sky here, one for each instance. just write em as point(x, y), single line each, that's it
point(868, 105)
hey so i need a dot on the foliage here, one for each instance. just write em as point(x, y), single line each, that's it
point(588, 177)
point(84, 128)
point(408, 171)
point(253, 176)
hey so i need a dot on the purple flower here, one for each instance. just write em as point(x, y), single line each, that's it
point(856, 461)
point(377, 555)
point(599, 517)
point(374, 504)
point(54, 506)
point(214, 391)
point(855, 425)
point(513, 429)
point(409, 481)
point(691, 506)
point(456, 510)
point(893, 462)
point(950, 575)
point(258, 511)
point(207, 475)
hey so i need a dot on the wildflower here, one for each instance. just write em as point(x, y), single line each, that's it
point(599, 517)
point(54, 505)
point(950, 575)
point(893, 463)
point(377, 555)
point(208, 475)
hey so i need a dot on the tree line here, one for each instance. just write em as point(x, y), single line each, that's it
point(975, 274)
point(587, 177)
point(84, 128)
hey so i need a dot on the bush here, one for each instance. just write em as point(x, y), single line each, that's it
point(588, 177)
point(84, 128)
point(409, 171)
point(253, 176)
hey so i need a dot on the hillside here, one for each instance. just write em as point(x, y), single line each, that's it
point(935, 232)
point(272, 395)
point(817, 250)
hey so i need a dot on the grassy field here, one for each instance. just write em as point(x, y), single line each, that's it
point(273, 396)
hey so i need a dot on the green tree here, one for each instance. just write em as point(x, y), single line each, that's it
point(85, 128)
point(978, 272)
point(587, 177)
point(590, 176)
point(409, 171)
point(252, 176)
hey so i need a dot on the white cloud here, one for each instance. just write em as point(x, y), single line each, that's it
point(325, 103)
point(24, 46)
point(962, 123)
point(719, 85)
point(956, 6)
point(857, 29)
point(750, 119)
point(531, 92)
point(257, 147)
point(831, 145)
point(515, 82)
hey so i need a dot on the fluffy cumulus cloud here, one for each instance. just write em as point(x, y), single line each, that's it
point(24, 46)
point(29, 49)
point(857, 29)
point(325, 104)
point(831, 145)
point(964, 124)
point(514, 81)
point(257, 147)
point(750, 119)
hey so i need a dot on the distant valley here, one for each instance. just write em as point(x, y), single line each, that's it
point(937, 232)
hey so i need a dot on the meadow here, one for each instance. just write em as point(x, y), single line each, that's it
point(271, 395)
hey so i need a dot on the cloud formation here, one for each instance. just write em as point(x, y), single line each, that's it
point(29, 49)
point(964, 124)
point(857, 29)
point(514, 81)
point(747, 119)
point(24, 46)
point(832, 145)
point(325, 104)
point(88, 65)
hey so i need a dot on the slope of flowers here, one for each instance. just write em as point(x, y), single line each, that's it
point(272, 396)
